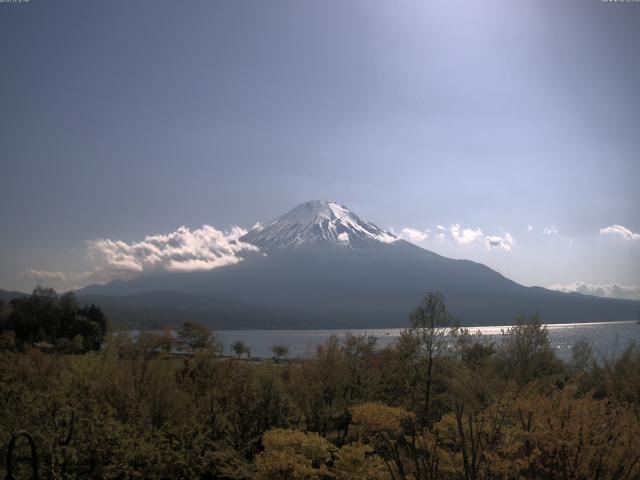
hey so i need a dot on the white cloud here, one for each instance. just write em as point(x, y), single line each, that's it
point(45, 276)
point(73, 280)
point(55, 277)
point(529, 228)
point(496, 242)
point(465, 236)
point(204, 248)
point(343, 237)
point(611, 290)
point(550, 230)
point(385, 237)
point(461, 236)
point(413, 235)
point(624, 232)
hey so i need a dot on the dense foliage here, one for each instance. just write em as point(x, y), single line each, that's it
point(437, 404)
point(52, 320)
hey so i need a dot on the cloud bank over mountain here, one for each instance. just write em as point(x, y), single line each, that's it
point(504, 242)
point(204, 248)
point(183, 250)
point(414, 236)
point(460, 236)
point(465, 235)
point(611, 290)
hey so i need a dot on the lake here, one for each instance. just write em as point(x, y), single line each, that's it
point(608, 339)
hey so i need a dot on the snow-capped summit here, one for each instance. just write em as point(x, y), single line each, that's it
point(314, 222)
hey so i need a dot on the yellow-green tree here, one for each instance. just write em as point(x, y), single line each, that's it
point(293, 455)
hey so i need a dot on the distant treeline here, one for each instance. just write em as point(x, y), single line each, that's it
point(438, 403)
point(51, 320)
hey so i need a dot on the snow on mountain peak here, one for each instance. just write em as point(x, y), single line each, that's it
point(317, 221)
point(316, 211)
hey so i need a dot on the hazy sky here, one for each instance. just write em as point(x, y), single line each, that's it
point(121, 119)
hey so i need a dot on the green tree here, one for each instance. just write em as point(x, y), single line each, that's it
point(96, 315)
point(47, 316)
point(64, 345)
point(526, 352)
point(240, 348)
point(194, 336)
point(77, 344)
point(430, 323)
point(280, 351)
point(581, 357)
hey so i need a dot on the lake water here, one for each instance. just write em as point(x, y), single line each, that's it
point(608, 339)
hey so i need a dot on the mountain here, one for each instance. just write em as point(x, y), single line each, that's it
point(317, 222)
point(322, 266)
point(156, 308)
point(8, 295)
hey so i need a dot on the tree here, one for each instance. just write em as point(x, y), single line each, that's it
point(96, 315)
point(280, 351)
point(166, 339)
point(67, 313)
point(293, 455)
point(359, 352)
point(63, 345)
point(555, 435)
point(474, 350)
point(193, 336)
point(526, 352)
point(430, 323)
point(47, 316)
point(357, 461)
point(240, 348)
point(89, 330)
point(581, 357)
point(385, 428)
point(77, 344)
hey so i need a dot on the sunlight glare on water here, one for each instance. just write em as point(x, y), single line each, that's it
point(608, 339)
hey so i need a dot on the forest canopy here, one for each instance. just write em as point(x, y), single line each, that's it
point(47, 318)
point(439, 403)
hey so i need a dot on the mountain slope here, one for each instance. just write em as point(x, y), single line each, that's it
point(153, 309)
point(8, 295)
point(321, 265)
